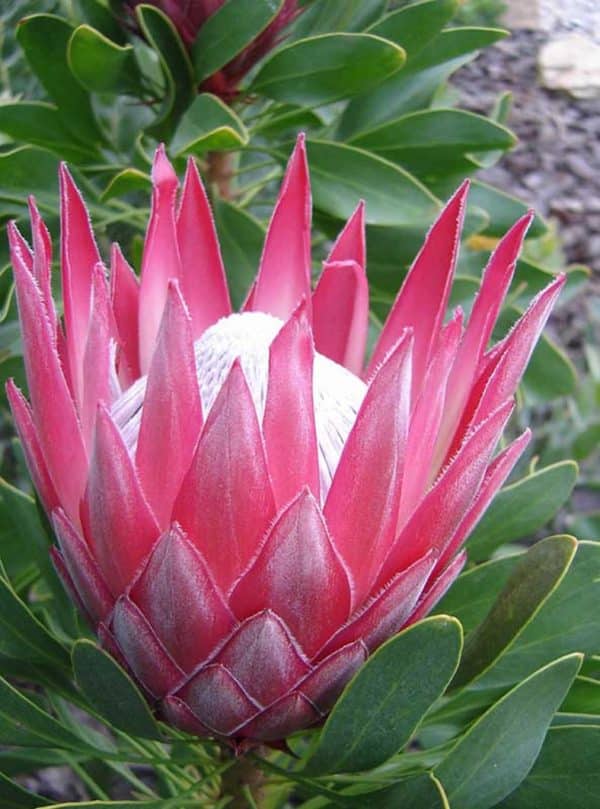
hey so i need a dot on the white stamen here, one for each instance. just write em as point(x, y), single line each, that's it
point(337, 393)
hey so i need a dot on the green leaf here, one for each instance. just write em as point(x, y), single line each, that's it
point(566, 773)
point(28, 170)
point(415, 25)
point(434, 141)
point(584, 697)
point(503, 209)
point(229, 30)
point(23, 724)
point(326, 68)
point(414, 87)
point(500, 114)
point(42, 125)
point(44, 39)
point(341, 175)
point(587, 441)
point(535, 578)
point(101, 65)
point(101, 17)
point(522, 508)
point(177, 69)
point(550, 372)
point(567, 622)
point(23, 541)
point(413, 793)
point(208, 125)
point(326, 16)
point(125, 182)
point(381, 707)
point(472, 595)
point(22, 636)
point(167, 803)
point(286, 119)
point(498, 751)
point(110, 691)
point(13, 796)
point(241, 238)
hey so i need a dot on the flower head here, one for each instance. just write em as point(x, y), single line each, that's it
point(244, 509)
point(188, 17)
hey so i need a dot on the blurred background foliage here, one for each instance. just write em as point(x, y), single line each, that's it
point(99, 85)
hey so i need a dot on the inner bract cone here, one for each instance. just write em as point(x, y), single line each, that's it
point(245, 508)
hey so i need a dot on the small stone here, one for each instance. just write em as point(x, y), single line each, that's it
point(571, 63)
point(580, 166)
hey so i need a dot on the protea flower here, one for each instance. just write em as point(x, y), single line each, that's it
point(245, 511)
point(188, 17)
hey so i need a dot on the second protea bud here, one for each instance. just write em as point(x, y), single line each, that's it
point(188, 17)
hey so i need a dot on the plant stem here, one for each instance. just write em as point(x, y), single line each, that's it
point(220, 172)
point(245, 783)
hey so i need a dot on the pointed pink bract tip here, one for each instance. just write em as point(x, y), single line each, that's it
point(163, 172)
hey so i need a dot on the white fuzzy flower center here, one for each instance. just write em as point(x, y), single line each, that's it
point(337, 392)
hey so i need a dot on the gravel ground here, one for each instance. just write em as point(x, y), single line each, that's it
point(556, 165)
point(561, 16)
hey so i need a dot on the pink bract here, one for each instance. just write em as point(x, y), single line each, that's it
point(244, 509)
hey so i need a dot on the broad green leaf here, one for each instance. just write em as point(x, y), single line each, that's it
point(23, 724)
point(101, 65)
point(286, 119)
point(326, 68)
point(177, 69)
point(503, 209)
point(110, 691)
point(414, 793)
point(414, 87)
point(497, 752)
point(415, 25)
point(326, 16)
point(14, 796)
point(587, 441)
point(22, 636)
point(99, 15)
point(550, 372)
point(241, 238)
point(125, 182)
point(584, 697)
point(23, 542)
point(383, 704)
point(28, 170)
point(500, 114)
point(531, 278)
point(208, 125)
point(41, 124)
point(569, 621)
point(565, 775)
point(229, 30)
point(471, 596)
point(44, 39)
point(342, 175)
point(520, 509)
point(535, 578)
point(430, 142)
